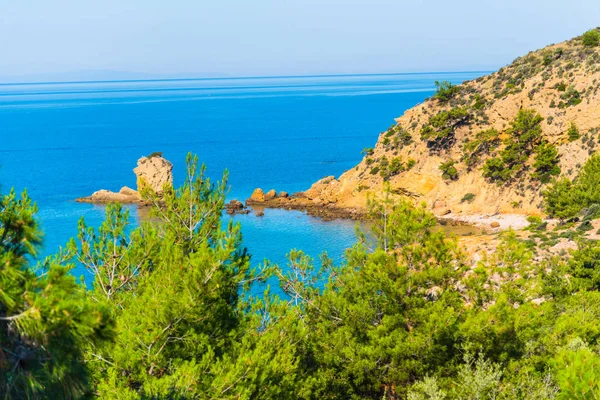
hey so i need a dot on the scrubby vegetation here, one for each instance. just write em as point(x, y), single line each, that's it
point(573, 132)
point(483, 144)
point(439, 132)
point(525, 138)
point(449, 171)
point(169, 315)
point(591, 38)
point(566, 199)
point(445, 91)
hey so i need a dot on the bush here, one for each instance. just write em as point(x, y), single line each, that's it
point(591, 38)
point(525, 134)
point(546, 162)
point(495, 170)
point(155, 154)
point(469, 197)
point(445, 91)
point(449, 171)
point(565, 199)
point(439, 133)
point(573, 132)
point(484, 143)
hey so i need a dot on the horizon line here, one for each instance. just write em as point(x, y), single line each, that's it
point(238, 77)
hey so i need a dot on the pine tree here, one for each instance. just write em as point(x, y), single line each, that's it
point(46, 320)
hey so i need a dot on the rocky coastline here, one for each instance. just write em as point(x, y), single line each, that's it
point(301, 202)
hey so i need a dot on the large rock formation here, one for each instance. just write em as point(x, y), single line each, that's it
point(464, 126)
point(153, 171)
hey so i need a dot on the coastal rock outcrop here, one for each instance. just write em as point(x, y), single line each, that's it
point(153, 171)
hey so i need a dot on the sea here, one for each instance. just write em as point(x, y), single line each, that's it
point(65, 140)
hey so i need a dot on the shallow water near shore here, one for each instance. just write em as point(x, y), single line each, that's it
point(67, 140)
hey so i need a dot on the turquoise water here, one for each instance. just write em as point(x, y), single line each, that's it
point(67, 140)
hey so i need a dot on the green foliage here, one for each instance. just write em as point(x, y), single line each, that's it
point(439, 132)
point(525, 135)
point(449, 171)
point(445, 91)
point(170, 314)
point(396, 137)
point(46, 321)
point(367, 151)
point(545, 162)
point(591, 38)
point(484, 143)
point(468, 198)
point(155, 154)
point(565, 199)
point(578, 371)
point(571, 97)
point(573, 132)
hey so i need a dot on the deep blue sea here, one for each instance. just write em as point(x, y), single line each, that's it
point(67, 140)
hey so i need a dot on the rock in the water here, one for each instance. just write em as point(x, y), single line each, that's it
point(153, 172)
point(260, 214)
point(495, 224)
point(126, 195)
point(235, 207)
point(127, 191)
point(270, 195)
point(258, 196)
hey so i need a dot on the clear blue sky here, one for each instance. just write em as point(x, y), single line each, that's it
point(278, 37)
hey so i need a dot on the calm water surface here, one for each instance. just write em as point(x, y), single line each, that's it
point(67, 140)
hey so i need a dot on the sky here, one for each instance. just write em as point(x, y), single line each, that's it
point(189, 38)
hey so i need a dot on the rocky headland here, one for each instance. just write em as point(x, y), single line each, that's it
point(153, 171)
point(481, 152)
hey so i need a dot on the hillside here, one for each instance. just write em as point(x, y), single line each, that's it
point(486, 146)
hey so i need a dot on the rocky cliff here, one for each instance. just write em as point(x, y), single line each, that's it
point(486, 146)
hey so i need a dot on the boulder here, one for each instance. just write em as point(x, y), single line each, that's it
point(127, 191)
point(284, 195)
point(495, 224)
point(260, 213)
point(106, 196)
point(258, 196)
point(270, 195)
point(153, 172)
point(235, 207)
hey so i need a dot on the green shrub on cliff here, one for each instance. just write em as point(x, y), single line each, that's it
point(565, 199)
point(591, 38)
point(449, 171)
point(573, 132)
point(484, 143)
point(439, 132)
point(445, 91)
point(545, 162)
point(525, 136)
